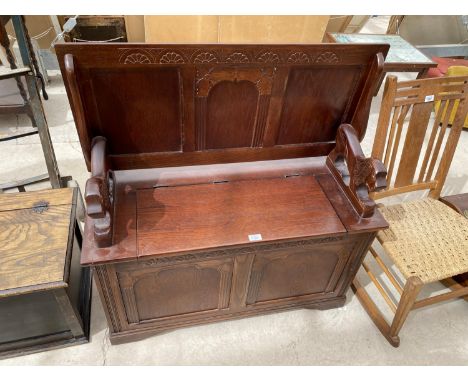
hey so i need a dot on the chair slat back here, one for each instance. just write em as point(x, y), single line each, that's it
point(414, 137)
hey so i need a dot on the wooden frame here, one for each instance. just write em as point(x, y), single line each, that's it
point(421, 167)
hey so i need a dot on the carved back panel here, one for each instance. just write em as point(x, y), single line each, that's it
point(166, 105)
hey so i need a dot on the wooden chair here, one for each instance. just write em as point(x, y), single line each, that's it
point(426, 240)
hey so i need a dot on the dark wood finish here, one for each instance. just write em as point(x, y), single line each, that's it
point(44, 293)
point(98, 194)
point(356, 174)
point(163, 293)
point(187, 218)
point(210, 177)
point(458, 202)
point(182, 90)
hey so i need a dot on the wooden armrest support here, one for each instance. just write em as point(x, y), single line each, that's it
point(99, 194)
point(357, 174)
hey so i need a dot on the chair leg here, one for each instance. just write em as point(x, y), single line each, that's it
point(374, 313)
point(408, 298)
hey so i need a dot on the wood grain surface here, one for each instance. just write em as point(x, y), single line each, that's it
point(186, 218)
point(17, 201)
point(34, 243)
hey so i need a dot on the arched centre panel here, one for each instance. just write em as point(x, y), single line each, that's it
point(226, 127)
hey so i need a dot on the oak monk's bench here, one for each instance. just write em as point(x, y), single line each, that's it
point(226, 180)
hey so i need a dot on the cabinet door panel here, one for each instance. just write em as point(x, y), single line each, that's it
point(160, 292)
point(298, 271)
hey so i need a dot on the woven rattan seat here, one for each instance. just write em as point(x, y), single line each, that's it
point(426, 239)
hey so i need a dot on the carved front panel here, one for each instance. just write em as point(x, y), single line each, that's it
point(151, 293)
point(302, 271)
point(232, 106)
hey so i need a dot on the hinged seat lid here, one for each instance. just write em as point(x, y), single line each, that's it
point(206, 216)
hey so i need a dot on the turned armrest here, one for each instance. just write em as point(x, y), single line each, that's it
point(98, 194)
point(357, 174)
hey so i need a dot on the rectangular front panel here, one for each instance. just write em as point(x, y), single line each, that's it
point(300, 270)
point(137, 110)
point(163, 293)
point(307, 112)
point(30, 316)
point(151, 293)
point(185, 218)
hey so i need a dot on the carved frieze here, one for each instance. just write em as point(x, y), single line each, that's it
point(327, 58)
point(298, 58)
point(237, 58)
point(244, 56)
point(171, 58)
point(137, 57)
point(205, 58)
point(269, 57)
point(240, 251)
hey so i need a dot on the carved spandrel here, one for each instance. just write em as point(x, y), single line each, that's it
point(207, 78)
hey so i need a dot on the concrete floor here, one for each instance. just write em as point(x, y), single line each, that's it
point(437, 335)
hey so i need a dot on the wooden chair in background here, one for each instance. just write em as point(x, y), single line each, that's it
point(427, 240)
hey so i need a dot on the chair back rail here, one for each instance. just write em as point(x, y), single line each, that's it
point(414, 126)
